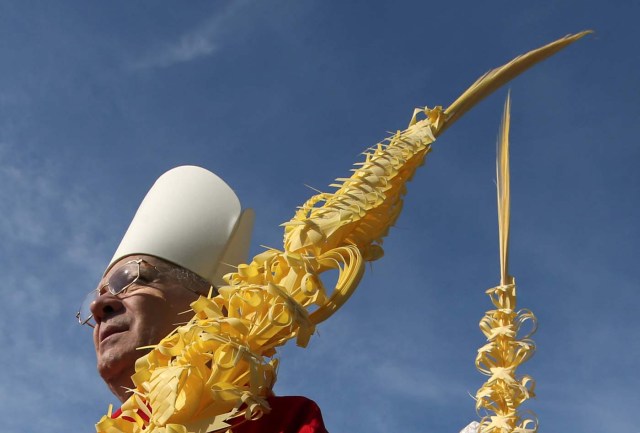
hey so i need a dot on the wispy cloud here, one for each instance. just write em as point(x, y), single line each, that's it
point(415, 382)
point(40, 211)
point(45, 250)
point(200, 42)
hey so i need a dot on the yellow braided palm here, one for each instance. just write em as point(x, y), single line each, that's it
point(503, 392)
point(219, 365)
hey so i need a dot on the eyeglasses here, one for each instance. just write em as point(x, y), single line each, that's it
point(119, 282)
point(133, 272)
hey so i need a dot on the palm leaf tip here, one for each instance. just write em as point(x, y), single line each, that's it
point(498, 77)
point(504, 193)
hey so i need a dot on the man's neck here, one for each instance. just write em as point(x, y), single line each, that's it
point(121, 384)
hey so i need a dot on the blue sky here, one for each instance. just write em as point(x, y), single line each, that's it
point(97, 99)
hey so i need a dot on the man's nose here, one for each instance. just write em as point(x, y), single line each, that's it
point(104, 306)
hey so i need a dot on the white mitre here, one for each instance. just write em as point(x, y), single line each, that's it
point(192, 218)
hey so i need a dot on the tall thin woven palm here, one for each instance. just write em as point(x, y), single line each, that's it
point(506, 349)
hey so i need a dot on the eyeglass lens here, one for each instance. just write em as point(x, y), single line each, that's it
point(118, 282)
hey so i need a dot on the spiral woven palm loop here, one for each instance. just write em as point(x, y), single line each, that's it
point(219, 368)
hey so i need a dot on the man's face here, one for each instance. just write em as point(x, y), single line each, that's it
point(141, 316)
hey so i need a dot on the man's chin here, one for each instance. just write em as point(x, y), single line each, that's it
point(116, 370)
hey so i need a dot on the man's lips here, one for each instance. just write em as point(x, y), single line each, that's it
point(110, 330)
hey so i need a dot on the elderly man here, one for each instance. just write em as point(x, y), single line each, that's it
point(187, 233)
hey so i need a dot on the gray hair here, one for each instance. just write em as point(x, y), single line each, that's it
point(189, 279)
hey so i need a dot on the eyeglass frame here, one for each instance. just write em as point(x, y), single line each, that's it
point(99, 291)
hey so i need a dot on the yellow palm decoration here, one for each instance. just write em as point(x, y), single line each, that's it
point(218, 366)
point(504, 392)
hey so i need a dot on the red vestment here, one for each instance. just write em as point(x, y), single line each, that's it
point(288, 415)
